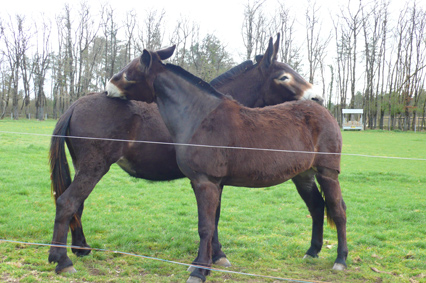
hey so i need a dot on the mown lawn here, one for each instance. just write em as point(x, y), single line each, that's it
point(264, 231)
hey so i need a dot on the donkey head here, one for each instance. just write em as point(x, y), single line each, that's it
point(283, 83)
point(135, 80)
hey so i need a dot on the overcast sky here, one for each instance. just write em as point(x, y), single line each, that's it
point(222, 17)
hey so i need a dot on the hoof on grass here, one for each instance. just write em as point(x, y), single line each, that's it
point(308, 256)
point(193, 279)
point(223, 261)
point(339, 267)
point(69, 269)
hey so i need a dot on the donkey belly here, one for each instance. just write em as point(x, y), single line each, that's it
point(264, 176)
point(253, 182)
point(246, 168)
point(153, 162)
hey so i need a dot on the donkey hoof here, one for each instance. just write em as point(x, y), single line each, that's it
point(339, 267)
point(194, 279)
point(223, 261)
point(191, 268)
point(309, 256)
point(69, 269)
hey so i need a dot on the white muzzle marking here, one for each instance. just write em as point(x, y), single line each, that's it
point(114, 91)
point(313, 94)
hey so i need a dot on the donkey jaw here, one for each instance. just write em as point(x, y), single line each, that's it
point(114, 91)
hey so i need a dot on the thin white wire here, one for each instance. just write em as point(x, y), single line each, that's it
point(163, 260)
point(219, 146)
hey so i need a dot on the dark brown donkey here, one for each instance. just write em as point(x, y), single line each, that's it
point(250, 147)
point(96, 116)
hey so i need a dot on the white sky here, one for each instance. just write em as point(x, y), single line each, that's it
point(221, 17)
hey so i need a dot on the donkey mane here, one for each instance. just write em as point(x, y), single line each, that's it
point(196, 81)
point(235, 71)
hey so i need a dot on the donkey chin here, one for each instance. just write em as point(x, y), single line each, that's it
point(314, 94)
point(113, 91)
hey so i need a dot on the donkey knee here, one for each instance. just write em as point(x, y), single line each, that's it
point(328, 173)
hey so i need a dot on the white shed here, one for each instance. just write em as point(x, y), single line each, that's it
point(352, 119)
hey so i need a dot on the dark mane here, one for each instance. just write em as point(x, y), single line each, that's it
point(235, 71)
point(196, 81)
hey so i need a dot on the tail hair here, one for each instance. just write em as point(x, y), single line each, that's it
point(59, 170)
point(330, 220)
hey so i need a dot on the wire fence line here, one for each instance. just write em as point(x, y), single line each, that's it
point(217, 146)
point(162, 260)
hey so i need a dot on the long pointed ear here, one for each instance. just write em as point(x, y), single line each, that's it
point(267, 58)
point(146, 60)
point(276, 47)
point(166, 53)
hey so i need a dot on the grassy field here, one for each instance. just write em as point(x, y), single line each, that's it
point(264, 231)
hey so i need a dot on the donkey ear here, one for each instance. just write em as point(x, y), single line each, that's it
point(166, 53)
point(146, 60)
point(268, 57)
point(276, 47)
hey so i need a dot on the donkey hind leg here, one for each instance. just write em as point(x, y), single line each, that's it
point(308, 190)
point(218, 256)
point(77, 235)
point(207, 195)
point(336, 210)
point(67, 205)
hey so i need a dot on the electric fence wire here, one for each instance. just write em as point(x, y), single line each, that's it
point(218, 146)
point(162, 260)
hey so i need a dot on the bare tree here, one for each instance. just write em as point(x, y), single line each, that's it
point(343, 51)
point(151, 33)
point(253, 27)
point(41, 63)
point(283, 23)
point(59, 77)
point(353, 22)
point(130, 25)
point(110, 30)
point(16, 39)
point(316, 44)
point(372, 23)
point(184, 33)
point(4, 79)
point(85, 35)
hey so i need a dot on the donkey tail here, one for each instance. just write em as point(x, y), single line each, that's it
point(330, 220)
point(59, 170)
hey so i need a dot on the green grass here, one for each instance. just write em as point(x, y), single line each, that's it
point(264, 231)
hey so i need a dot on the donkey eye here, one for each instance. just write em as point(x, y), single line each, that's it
point(284, 78)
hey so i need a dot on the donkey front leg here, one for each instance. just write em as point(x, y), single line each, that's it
point(207, 195)
point(218, 256)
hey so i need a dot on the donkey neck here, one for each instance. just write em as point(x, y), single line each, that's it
point(183, 105)
point(251, 82)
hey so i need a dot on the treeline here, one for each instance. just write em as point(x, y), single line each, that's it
point(367, 58)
